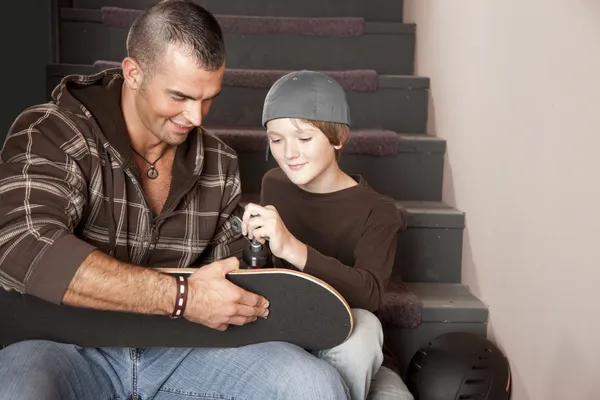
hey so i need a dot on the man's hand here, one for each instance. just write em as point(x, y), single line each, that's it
point(216, 302)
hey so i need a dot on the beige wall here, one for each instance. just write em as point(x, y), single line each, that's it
point(516, 93)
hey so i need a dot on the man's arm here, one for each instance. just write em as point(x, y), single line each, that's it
point(102, 282)
point(43, 194)
point(44, 170)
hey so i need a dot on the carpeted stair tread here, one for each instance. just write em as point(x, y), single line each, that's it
point(372, 142)
point(259, 42)
point(364, 80)
point(241, 24)
point(398, 104)
point(358, 80)
point(339, 26)
point(400, 307)
point(375, 10)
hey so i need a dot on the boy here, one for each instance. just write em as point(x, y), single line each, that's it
point(322, 221)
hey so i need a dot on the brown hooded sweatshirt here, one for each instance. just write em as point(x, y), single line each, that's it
point(69, 184)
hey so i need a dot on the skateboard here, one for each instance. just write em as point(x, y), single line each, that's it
point(303, 310)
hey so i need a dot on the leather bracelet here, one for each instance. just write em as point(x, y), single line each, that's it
point(181, 298)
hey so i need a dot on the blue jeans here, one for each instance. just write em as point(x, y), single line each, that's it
point(46, 370)
point(359, 360)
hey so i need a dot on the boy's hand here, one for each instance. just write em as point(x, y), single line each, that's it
point(265, 223)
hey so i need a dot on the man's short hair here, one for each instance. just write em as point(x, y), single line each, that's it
point(177, 22)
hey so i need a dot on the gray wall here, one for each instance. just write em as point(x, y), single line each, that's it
point(25, 44)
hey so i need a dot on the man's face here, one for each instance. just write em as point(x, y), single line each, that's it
point(177, 96)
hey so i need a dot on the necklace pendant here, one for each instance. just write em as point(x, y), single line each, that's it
point(152, 173)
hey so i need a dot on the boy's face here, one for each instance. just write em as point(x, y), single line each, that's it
point(303, 152)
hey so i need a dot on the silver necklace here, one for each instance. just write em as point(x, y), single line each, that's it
point(152, 172)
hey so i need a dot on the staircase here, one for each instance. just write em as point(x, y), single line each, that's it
point(367, 47)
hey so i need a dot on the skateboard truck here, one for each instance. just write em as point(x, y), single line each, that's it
point(255, 254)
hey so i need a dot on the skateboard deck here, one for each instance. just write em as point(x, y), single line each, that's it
point(303, 310)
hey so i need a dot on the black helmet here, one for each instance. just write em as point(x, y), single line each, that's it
point(457, 366)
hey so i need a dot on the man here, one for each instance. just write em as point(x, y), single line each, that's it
point(116, 174)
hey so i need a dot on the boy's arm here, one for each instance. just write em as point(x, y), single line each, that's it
point(363, 284)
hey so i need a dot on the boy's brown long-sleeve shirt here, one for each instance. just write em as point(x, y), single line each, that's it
point(350, 234)
point(69, 184)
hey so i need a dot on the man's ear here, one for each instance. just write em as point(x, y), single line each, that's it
point(132, 72)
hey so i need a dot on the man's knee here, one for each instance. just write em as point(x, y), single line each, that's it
point(29, 370)
point(27, 355)
point(46, 370)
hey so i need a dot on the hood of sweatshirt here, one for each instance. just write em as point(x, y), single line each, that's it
point(98, 97)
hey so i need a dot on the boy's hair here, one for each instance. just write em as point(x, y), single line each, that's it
point(336, 133)
point(176, 22)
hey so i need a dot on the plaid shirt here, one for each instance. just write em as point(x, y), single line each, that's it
point(69, 184)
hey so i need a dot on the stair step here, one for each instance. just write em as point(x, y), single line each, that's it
point(390, 102)
point(374, 10)
point(367, 153)
point(410, 152)
point(446, 307)
point(357, 80)
point(398, 104)
point(84, 38)
point(448, 303)
point(430, 248)
point(431, 214)
point(408, 305)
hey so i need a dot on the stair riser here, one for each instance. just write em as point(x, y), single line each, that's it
point(403, 185)
point(374, 10)
point(404, 343)
point(86, 42)
point(429, 255)
point(424, 254)
point(400, 110)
